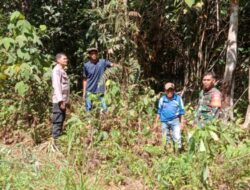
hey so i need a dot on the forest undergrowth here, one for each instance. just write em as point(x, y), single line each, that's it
point(122, 150)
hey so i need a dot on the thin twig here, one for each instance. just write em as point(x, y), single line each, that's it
point(239, 98)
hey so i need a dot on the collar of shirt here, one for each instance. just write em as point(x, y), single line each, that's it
point(97, 61)
point(173, 98)
point(208, 92)
point(59, 66)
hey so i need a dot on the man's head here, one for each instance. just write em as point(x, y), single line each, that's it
point(93, 54)
point(62, 59)
point(169, 89)
point(208, 81)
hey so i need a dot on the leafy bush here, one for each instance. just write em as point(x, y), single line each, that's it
point(24, 74)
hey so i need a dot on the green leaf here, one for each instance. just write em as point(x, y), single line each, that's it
point(205, 173)
point(7, 42)
point(16, 15)
point(153, 150)
point(190, 2)
point(228, 139)
point(199, 5)
point(214, 135)
point(190, 134)
point(3, 76)
point(21, 39)
point(11, 26)
point(37, 79)
point(11, 58)
point(25, 71)
point(108, 83)
point(146, 101)
point(23, 54)
point(185, 11)
point(21, 88)
point(24, 25)
point(47, 74)
point(202, 146)
point(20, 53)
point(37, 40)
point(115, 134)
point(43, 28)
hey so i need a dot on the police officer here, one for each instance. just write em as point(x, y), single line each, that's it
point(60, 98)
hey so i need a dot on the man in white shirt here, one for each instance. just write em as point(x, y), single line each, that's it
point(60, 98)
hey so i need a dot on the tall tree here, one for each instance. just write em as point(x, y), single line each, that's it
point(231, 60)
point(247, 118)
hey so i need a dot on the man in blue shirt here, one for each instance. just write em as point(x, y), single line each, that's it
point(92, 73)
point(170, 113)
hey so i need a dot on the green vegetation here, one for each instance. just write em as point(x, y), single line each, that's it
point(153, 41)
point(121, 150)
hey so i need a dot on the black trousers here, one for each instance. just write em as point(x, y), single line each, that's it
point(57, 120)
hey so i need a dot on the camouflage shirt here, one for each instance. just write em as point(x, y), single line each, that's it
point(205, 111)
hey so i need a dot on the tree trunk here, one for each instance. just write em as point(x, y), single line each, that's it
point(218, 15)
point(25, 7)
point(231, 60)
point(247, 118)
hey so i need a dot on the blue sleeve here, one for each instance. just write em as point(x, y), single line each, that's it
point(107, 63)
point(181, 106)
point(160, 103)
point(84, 72)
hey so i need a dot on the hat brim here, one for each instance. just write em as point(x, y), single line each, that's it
point(169, 88)
point(92, 49)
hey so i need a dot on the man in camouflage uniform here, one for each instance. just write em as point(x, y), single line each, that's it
point(209, 101)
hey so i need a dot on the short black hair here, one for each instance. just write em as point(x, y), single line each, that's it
point(210, 73)
point(59, 55)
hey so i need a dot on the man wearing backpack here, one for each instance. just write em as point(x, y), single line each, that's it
point(171, 114)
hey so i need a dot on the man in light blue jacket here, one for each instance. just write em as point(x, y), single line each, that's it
point(170, 113)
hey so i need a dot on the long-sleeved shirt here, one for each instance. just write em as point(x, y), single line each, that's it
point(60, 83)
point(169, 109)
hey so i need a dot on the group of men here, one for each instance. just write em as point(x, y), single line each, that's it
point(93, 70)
point(170, 107)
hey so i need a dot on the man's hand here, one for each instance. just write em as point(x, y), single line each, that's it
point(156, 122)
point(155, 126)
point(182, 122)
point(182, 125)
point(83, 96)
point(84, 86)
point(62, 105)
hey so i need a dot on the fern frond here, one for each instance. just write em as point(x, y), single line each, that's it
point(129, 72)
point(110, 73)
point(134, 71)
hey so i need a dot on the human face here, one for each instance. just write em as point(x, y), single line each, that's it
point(208, 82)
point(169, 93)
point(93, 55)
point(63, 60)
